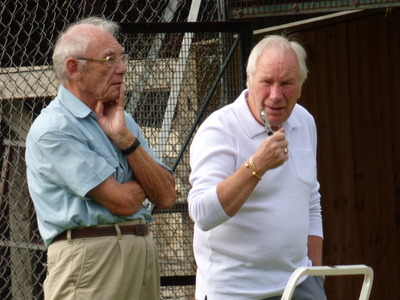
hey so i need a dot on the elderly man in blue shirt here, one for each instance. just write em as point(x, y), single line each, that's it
point(89, 170)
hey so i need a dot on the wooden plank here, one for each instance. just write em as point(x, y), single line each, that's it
point(351, 91)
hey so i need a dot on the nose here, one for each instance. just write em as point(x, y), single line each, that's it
point(276, 92)
point(122, 67)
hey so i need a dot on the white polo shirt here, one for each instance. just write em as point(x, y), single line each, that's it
point(252, 254)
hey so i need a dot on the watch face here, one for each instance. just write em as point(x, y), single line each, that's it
point(148, 205)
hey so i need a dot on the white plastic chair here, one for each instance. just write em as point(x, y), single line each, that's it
point(328, 271)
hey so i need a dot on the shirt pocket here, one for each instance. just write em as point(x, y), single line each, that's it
point(305, 165)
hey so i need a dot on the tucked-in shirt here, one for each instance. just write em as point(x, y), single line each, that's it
point(67, 155)
point(252, 254)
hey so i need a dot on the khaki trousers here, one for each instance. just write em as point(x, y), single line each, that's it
point(110, 268)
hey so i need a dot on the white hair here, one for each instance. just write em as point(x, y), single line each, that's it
point(285, 44)
point(68, 45)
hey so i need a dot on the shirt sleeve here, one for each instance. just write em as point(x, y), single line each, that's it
point(212, 159)
point(71, 164)
point(315, 213)
point(315, 227)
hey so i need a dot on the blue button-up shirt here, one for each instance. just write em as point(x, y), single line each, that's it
point(67, 155)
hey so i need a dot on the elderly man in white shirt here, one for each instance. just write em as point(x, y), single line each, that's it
point(255, 196)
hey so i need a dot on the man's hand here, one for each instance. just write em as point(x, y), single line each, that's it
point(111, 118)
point(271, 153)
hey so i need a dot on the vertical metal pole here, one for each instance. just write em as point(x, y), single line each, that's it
point(150, 60)
point(176, 82)
point(175, 88)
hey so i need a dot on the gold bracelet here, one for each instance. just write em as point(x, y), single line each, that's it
point(253, 167)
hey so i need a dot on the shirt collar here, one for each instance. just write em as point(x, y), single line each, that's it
point(250, 124)
point(73, 104)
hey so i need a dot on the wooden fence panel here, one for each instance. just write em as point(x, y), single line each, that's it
point(353, 93)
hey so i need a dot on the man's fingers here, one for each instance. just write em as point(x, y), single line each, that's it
point(99, 108)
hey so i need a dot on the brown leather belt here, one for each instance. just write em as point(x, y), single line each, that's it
point(79, 233)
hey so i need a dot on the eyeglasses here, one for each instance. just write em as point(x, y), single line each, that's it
point(110, 60)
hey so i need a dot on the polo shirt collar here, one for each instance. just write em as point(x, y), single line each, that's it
point(250, 125)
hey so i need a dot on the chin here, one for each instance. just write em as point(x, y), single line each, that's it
point(278, 119)
point(276, 122)
point(112, 97)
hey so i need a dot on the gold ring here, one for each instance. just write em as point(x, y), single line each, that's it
point(285, 150)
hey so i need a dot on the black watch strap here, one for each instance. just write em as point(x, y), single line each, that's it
point(132, 148)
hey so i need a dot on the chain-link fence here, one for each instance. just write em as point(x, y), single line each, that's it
point(176, 76)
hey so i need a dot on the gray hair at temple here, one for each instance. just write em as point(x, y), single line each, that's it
point(68, 45)
point(285, 44)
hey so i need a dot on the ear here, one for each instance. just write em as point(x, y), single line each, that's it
point(72, 68)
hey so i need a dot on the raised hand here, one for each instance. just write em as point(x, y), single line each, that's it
point(272, 153)
point(111, 118)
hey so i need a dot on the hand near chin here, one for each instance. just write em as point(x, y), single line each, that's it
point(111, 117)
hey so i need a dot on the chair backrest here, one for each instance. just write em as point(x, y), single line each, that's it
point(331, 271)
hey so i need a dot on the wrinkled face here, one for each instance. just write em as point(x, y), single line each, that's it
point(102, 80)
point(274, 86)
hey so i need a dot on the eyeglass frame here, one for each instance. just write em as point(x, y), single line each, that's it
point(124, 58)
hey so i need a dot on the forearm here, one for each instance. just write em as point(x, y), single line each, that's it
point(121, 199)
point(315, 249)
point(234, 191)
point(230, 193)
point(157, 183)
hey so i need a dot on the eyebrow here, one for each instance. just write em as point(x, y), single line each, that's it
point(109, 52)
